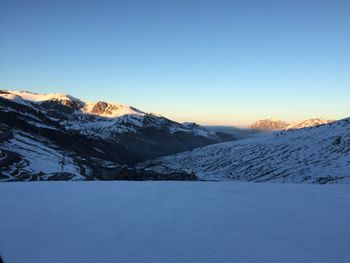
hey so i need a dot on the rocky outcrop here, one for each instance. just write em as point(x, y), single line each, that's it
point(100, 107)
point(269, 125)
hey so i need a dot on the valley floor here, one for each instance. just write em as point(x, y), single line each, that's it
point(174, 222)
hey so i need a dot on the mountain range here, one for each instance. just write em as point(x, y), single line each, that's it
point(52, 135)
point(60, 137)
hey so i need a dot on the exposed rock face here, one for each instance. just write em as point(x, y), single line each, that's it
point(71, 103)
point(65, 106)
point(100, 107)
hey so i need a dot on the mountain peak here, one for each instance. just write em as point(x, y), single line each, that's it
point(107, 109)
point(101, 108)
point(269, 125)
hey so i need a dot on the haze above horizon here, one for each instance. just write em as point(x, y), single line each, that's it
point(212, 62)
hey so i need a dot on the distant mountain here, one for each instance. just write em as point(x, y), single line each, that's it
point(269, 125)
point(318, 154)
point(54, 134)
point(275, 124)
point(309, 123)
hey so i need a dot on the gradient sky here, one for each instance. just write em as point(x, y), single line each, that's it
point(213, 62)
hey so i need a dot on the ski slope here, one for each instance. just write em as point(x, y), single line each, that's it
point(174, 222)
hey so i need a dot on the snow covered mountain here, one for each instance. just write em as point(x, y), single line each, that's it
point(78, 138)
point(273, 124)
point(99, 119)
point(316, 154)
point(269, 125)
point(308, 123)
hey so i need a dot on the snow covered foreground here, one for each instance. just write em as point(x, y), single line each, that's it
point(174, 222)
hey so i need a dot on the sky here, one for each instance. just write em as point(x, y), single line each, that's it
point(213, 62)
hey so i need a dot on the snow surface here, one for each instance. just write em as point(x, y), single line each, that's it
point(174, 222)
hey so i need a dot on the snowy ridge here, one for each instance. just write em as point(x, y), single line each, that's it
point(35, 97)
point(111, 110)
point(313, 155)
point(308, 123)
point(102, 119)
point(99, 108)
point(273, 124)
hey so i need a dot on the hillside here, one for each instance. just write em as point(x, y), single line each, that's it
point(317, 154)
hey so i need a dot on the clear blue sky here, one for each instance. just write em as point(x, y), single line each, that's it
point(213, 62)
